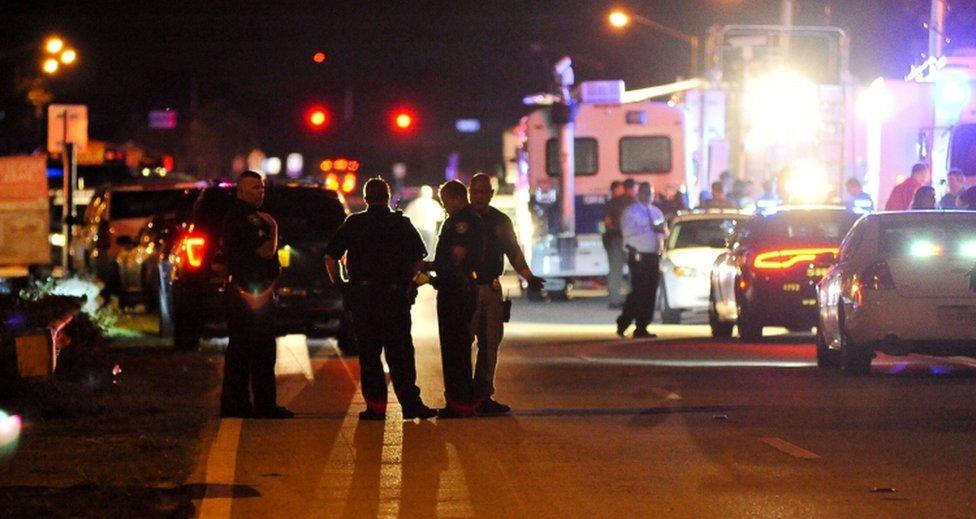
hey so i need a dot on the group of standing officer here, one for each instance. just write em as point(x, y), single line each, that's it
point(383, 255)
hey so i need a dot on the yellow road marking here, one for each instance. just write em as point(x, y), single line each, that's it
point(221, 469)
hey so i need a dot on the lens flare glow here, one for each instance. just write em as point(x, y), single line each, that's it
point(782, 107)
point(10, 426)
point(925, 249)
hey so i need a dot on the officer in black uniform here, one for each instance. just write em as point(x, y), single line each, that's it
point(383, 252)
point(460, 249)
point(250, 247)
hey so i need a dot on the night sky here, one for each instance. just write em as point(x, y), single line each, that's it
point(443, 60)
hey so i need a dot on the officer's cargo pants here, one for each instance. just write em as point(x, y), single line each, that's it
point(381, 318)
point(488, 326)
point(249, 361)
point(455, 309)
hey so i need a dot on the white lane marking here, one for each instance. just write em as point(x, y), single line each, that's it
point(787, 447)
point(221, 469)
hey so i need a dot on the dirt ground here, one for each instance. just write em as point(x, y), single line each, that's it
point(120, 446)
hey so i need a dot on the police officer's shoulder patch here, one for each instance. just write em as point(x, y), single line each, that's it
point(461, 227)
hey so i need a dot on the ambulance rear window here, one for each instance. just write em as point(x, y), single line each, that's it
point(584, 151)
point(650, 154)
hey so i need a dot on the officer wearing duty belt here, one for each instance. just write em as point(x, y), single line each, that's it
point(383, 252)
point(460, 247)
point(489, 315)
point(250, 247)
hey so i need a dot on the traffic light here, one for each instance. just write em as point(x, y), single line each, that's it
point(318, 118)
point(403, 121)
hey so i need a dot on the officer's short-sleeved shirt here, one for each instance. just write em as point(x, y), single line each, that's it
point(244, 233)
point(500, 240)
point(380, 246)
point(465, 229)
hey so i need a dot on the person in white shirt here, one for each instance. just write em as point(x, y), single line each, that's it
point(643, 227)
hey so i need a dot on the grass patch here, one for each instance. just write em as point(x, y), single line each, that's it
point(110, 444)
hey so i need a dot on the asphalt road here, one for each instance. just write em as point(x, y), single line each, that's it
point(681, 426)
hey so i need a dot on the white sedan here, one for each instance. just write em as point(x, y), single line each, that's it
point(903, 284)
point(696, 239)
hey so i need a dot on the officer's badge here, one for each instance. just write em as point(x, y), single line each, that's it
point(461, 227)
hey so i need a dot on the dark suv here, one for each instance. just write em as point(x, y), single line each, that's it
point(193, 276)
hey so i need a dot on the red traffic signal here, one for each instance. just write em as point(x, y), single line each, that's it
point(403, 121)
point(318, 118)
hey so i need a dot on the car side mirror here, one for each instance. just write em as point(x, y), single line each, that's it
point(125, 241)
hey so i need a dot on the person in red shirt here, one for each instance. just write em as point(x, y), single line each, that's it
point(903, 194)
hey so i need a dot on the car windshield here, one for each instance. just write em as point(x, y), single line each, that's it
point(929, 237)
point(304, 215)
point(143, 204)
point(711, 232)
point(803, 227)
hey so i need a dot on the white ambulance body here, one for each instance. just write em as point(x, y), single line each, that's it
point(643, 141)
point(930, 118)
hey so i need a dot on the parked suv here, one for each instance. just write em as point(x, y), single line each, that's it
point(193, 277)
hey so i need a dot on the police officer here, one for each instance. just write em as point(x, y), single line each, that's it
point(489, 312)
point(643, 226)
point(383, 252)
point(250, 247)
point(458, 256)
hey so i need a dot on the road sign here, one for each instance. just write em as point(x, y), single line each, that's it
point(162, 119)
point(70, 120)
point(24, 215)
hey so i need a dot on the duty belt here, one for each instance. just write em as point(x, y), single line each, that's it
point(494, 282)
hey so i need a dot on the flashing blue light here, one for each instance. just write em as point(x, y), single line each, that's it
point(55, 173)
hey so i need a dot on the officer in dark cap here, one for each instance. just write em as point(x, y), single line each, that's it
point(383, 252)
point(460, 249)
point(250, 247)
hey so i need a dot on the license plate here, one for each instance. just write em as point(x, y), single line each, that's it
point(817, 272)
point(957, 315)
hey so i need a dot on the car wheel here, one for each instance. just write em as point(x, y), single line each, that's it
point(561, 295)
point(854, 359)
point(668, 315)
point(186, 327)
point(750, 327)
point(826, 358)
point(720, 329)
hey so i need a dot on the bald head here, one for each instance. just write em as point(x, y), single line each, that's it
point(481, 192)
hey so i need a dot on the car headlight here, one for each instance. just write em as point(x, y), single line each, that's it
point(685, 272)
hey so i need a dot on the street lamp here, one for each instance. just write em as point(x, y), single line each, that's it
point(620, 19)
point(57, 53)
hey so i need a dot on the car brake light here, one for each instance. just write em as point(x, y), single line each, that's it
point(877, 277)
point(784, 259)
point(192, 249)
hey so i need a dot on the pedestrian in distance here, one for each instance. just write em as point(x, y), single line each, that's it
point(924, 198)
point(613, 241)
point(644, 228)
point(382, 253)
point(902, 195)
point(718, 199)
point(670, 201)
point(857, 199)
point(955, 185)
point(460, 249)
point(490, 308)
point(250, 247)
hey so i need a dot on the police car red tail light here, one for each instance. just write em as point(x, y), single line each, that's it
point(788, 258)
point(193, 248)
